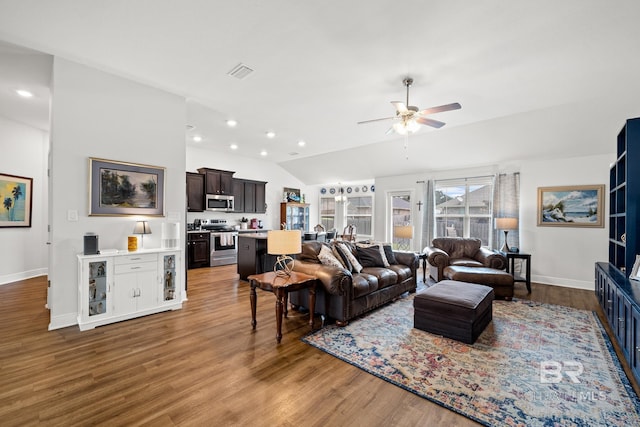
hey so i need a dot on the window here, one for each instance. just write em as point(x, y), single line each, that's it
point(464, 208)
point(359, 213)
point(337, 212)
point(328, 212)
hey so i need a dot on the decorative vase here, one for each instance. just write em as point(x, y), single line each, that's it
point(132, 243)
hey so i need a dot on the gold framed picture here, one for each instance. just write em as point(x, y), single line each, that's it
point(571, 206)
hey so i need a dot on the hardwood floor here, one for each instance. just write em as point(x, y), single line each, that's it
point(202, 365)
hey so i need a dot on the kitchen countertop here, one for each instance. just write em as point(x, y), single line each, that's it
point(259, 236)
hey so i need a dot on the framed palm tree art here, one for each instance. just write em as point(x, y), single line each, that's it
point(16, 196)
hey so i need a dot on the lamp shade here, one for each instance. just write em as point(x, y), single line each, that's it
point(506, 223)
point(403, 231)
point(142, 227)
point(284, 242)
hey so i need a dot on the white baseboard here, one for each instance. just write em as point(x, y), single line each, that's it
point(566, 283)
point(63, 321)
point(23, 275)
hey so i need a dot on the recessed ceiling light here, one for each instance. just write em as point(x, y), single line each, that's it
point(231, 123)
point(263, 153)
point(197, 138)
point(301, 143)
point(271, 134)
point(234, 146)
point(24, 93)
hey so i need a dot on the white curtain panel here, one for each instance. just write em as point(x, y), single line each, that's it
point(506, 204)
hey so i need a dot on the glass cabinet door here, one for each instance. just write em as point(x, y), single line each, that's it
point(97, 288)
point(169, 277)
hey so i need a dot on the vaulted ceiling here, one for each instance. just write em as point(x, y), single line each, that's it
point(535, 79)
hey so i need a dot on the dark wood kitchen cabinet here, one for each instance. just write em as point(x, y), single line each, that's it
point(249, 196)
point(238, 195)
point(195, 192)
point(217, 181)
point(198, 254)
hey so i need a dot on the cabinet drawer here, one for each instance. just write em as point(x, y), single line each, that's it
point(136, 258)
point(137, 267)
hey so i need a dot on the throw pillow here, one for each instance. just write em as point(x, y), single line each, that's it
point(326, 258)
point(370, 256)
point(343, 260)
point(380, 248)
point(388, 252)
point(355, 264)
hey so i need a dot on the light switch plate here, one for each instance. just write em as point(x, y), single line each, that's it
point(72, 215)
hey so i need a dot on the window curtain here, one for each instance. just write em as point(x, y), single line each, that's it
point(506, 204)
point(427, 214)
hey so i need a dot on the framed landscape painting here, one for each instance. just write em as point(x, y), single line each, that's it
point(16, 195)
point(121, 188)
point(571, 206)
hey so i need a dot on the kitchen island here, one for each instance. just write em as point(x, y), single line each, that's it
point(252, 254)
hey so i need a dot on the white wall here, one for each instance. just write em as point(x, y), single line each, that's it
point(23, 252)
point(96, 114)
point(246, 168)
point(563, 255)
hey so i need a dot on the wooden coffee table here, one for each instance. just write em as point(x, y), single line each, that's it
point(281, 286)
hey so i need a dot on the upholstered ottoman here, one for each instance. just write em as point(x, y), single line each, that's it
point(499, 280)
point(456, 310)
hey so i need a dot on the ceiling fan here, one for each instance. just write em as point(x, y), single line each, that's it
point(409, 117)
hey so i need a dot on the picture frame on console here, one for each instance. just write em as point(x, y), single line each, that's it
point(635, 272)
point(16, 196)
point(122, 188)
point(571, 206)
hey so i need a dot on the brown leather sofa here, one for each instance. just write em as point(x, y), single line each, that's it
point(343, 294)
point(460, 251)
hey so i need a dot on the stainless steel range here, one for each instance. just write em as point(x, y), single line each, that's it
point(224, 242)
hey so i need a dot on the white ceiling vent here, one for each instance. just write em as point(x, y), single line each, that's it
point(240, 71)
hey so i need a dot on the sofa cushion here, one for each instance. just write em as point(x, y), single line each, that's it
point(465, 262)
point(402, 271)
point(384, 276)
point(364, 284)
point(458, 247)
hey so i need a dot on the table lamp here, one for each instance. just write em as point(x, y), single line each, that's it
point(403, 232)
point(506, 224)
point(284, 243)
point(142, 228)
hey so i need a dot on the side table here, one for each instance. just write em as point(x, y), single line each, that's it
point(511, 257)
point(423, 257)
point(281, 286)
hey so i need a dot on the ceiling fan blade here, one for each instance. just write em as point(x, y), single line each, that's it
point(401, 107)
point(430, 122)
point(375, 120)
point(441, 108)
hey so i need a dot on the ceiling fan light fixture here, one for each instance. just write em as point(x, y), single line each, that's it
point(406, 126)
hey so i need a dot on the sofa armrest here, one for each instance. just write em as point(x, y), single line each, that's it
point(409, 259)
point(335, 280)
point(491, 259)
point(436, 257)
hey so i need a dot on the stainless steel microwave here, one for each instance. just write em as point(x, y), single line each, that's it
point(219, 203)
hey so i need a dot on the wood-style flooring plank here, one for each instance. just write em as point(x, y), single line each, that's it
point(202, 365)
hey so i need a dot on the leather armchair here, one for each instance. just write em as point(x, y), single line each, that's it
point(462, 251)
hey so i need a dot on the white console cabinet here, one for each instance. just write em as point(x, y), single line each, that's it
point(124, 285)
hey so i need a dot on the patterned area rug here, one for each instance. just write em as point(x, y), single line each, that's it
point(535, 365)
